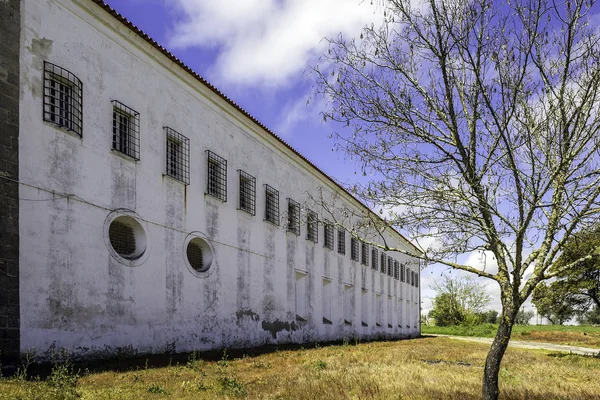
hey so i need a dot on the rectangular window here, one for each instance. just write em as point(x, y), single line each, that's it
point(400, 305)
point(293, 217)
point(390, 310)
point(354, 249)
point(402, 273)
point(348, 305)
point(301, 301)
point(341, 241)
point(312, 226)
point(412, 278)
point(374, 260)
point(63, 93)
point(271, 205)
point(328, 235)
point(390, 266)
point(383, 258)
point(365, 254)
point(378, 310)
point(178, 156)
point(364, 307)
point(416, 279)
point(408, 317)
point(326, 301)
point(126, 130)
point(247, 192)
point(396, 270)
point(216, 182)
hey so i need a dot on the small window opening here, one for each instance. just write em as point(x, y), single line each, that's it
point(216, 183)
point(328, 234)
point(312, 226)
point(293, 217)
point(271, 205)
point(341, 241)
point(247, 193)
point(63, 94)
point(126, 130)
point(178, 156)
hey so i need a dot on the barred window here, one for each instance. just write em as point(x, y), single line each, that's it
point(383, 258)
point(365, 254)
point(63, 96)
point(328, 234)
point(247, 192)
point(312, 226)
point(126, 130)
point(178, 156)
point(416, 279)
point(122, 238)
point(293, 217)
point(341, 241)
point(390, 265)
point(374, 260)
point(271, 205)
point(412, 278)
point(402, 273)
point(396, 270)
point(354, 249)
point(216, 183)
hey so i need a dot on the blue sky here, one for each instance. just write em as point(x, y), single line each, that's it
point(259, 53)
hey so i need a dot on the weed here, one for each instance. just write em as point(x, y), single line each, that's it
point(63, 378)
point(156, 389)
point(223, 361)
point(232, 386)
point(319, 365)
point(261, 364)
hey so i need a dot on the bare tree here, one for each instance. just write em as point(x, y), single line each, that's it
point(478, 122)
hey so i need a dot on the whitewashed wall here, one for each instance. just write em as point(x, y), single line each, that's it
point(75, 295)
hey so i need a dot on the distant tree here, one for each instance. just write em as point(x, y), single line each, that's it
point(579, 287)
point(477, 123)
point(553, 304)
point(488, 317)
point(591, 317)
point(523, 317)
point(458, 301)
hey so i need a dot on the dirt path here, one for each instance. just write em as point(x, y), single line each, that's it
point(529, 345)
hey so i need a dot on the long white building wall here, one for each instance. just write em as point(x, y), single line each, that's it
point(76, 294)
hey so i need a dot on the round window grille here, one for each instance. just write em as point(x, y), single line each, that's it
point(194, 255)
point(198, 254)
point(127, 237)
point(122, 239)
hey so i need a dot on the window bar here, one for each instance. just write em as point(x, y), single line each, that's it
point(216, 182)
point(293, 217)
point(63, 98)
point(383, 258)
point(178, 156)
point(272, 205)
point(312, 226)
point(365, 254)
point(247, 199)
point(126, 130)
point(374, 259)
point(328, 231)
point(341, 241)
point(390, 265)
point(354, 249)
point(396, 270)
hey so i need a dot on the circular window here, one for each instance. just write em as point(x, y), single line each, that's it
point(127, 237)
point(199, 254)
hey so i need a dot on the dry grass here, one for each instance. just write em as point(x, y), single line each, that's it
point(431, 368)
point(574, 335)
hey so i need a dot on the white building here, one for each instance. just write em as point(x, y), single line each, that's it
point(143, 211)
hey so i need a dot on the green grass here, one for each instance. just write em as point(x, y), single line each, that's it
point(583, 335)
point(428, 368)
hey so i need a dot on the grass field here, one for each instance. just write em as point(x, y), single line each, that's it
point(586, 336)
point(428, 368)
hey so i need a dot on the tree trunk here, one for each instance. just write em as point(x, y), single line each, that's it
point(494, 358)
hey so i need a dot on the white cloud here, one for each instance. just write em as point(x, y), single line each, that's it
point(266, 42)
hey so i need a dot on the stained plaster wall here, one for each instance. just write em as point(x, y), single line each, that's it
point(75, 294)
